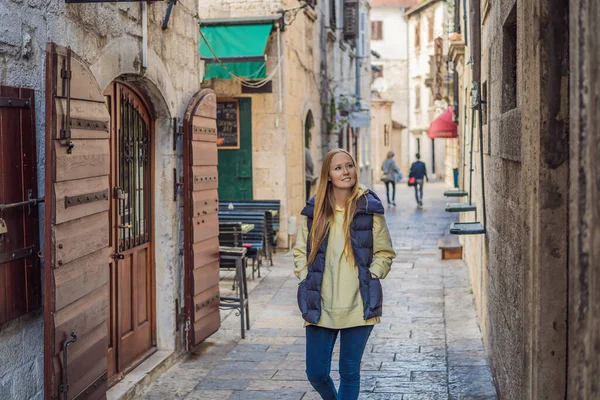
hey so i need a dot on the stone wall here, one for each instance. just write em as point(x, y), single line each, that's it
point(518, 269)
point(108, 37)
point(584, 194)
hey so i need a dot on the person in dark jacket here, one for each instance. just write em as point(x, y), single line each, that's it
point(342, 250)
point(418, 170)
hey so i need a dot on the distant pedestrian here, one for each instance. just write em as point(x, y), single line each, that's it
point(308, 171)
point(391, 176)
point(418, 170)
point(342, 250)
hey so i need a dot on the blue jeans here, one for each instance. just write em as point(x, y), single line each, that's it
point(319, 348)
point(387, 191)
point(419, 189)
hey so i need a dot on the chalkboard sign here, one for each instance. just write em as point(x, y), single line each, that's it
point(228, 124)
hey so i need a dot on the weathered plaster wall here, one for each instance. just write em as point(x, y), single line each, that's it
point(381, 116)
point(108, 38)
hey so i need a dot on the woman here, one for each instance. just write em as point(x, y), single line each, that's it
point(392, 175)
point(342, 250)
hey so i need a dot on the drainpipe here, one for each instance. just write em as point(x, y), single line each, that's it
point(144, 37)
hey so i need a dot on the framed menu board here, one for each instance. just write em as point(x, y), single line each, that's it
point(228, 124)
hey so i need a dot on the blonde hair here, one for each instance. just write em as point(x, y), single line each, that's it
point(324, 208)
point(390, 154)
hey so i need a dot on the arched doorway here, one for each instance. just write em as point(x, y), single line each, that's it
point(131, 271)
point(309, 124)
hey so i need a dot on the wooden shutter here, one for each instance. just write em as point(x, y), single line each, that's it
point(20, 285)
point(377, 30)
point(201, 206)
point(417, 35)
point(350, 19)
point(76, 228)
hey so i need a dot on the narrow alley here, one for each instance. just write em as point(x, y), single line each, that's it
point(428, 345)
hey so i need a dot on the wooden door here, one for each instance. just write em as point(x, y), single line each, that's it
point(201, 229)
point(76, 229)
point(20, 289)
point(235, 166)
point(132, 319)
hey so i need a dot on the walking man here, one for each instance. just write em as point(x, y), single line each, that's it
point(419, 172)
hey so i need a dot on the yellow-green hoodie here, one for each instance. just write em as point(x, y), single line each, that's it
point(341, 303)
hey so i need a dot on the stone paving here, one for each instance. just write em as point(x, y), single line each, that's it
point(427, 347)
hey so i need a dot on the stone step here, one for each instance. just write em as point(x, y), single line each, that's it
point(451, 247)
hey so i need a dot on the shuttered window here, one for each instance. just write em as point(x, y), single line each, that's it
point(350, 19)
point(332, 14)
point(20, 280)
point(417, 35)
point(377, 30)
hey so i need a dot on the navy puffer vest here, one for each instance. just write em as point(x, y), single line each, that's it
point(361, 234)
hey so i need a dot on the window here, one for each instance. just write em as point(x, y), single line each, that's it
point(509, 62)
point(418, 98)
point(430, 27)
point(364, 34)
point(332, 14)
point(457, 16)
point(377, 30)
point(417, 35)
point(386, 135)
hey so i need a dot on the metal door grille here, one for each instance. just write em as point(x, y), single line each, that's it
point(134, 175)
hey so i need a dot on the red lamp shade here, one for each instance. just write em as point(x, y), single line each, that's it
point(443, 126)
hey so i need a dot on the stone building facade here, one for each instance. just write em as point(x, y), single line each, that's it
point(121, 42)
point(426, 24)
point(311, 97)
point(533, 270)
point(389, 38)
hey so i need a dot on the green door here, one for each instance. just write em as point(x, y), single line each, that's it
point(235, 166)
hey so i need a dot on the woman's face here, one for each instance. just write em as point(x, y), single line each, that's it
point(342, 173)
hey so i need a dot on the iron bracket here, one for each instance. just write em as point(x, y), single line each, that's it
point(30, 202)
point(165, 24)
point(177, 131)
point(177, 183)
point(71, 201)
point(13, 102)
point(64, 387)
point(88, 124)
point(16, 255)
point(207, 302)
point(65, 74)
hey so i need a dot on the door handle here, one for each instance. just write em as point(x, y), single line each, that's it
point(126, 226)
point(118, 256)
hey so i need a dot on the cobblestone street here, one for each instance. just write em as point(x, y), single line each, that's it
point(428, 345)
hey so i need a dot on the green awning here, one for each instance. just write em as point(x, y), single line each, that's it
point(239, 48)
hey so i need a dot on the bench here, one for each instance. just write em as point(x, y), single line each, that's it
point(255, 240)
point(451, 247)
